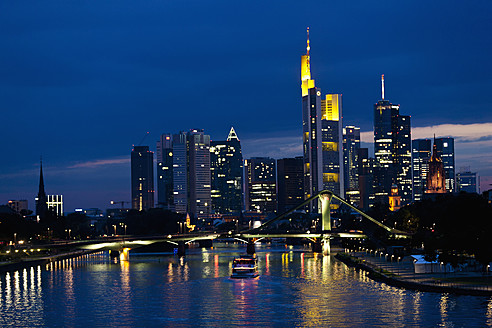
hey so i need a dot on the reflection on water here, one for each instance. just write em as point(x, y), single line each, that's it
point(296, 288)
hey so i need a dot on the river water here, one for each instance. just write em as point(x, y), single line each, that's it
point(296, 288)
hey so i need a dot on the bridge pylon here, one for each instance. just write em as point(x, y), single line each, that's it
point(325, 200)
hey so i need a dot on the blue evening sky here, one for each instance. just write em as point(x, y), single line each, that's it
point(82, 81)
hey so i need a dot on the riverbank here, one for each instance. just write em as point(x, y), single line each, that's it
point(23, 263)
point(400, 274)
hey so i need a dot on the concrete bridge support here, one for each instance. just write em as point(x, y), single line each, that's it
point(250, 248)
point(325, 200)
point(181, 248)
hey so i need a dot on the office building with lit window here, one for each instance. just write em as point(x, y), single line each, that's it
point(392, 150)
point(142, 176)
point(165, 183)
point(55, 204)
point(445, 150)
point(260, 185)
point(184, 173)
point(468, 181)
point(351, 146)
point(226, 168)
point(421, 154)
point(290, 183)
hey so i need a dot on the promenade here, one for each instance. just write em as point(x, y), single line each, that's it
point(400, 272)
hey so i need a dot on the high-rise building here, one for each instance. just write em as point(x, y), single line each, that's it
point(165, 182)
point(421, 154)
point(445, 150)
point(365, 170)
point(260, 185)
point(468, 181)
point(55, 204)
point(184, 173)
point(226, 166)
point(41, 200)
point(142, 172)
point(351, 146)
point(322, 135)
point(392, 148)
point(290, 183)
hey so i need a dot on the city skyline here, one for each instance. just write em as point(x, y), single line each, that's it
point(73, 77)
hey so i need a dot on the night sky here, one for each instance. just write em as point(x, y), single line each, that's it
point(83, 81)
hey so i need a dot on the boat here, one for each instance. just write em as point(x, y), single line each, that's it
point(245, 266)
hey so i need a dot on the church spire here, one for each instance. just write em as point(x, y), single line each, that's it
point(42, 199)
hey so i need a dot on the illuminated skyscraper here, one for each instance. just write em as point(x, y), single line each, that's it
point(392, 149)
point(351, 146)
point(55, 204)
point(445, 150)
point(184, 173)
point(142, 168)
point(322, 135)
point(260, 184)
point(421, 154)
point(226, 165)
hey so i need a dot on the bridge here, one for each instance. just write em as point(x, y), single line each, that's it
point(321, 240)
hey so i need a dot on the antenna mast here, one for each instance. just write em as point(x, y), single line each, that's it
point(382, 87)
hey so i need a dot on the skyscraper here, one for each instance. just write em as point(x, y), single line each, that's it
point(226, 165)
point(184, 173)
point(142, 169)
point(260, 185)
point(445, 150)
point(421, 154)
point(41, 200)
point(322, 135)
point(290, 183)
point(392, 148)
point(351, 146)
point(165, 182)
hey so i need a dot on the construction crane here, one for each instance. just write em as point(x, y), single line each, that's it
point(122, 202)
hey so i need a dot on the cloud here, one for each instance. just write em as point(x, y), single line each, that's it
point(100, 162)
point(275, 147)
point(460, 132)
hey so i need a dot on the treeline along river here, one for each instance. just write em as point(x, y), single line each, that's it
point(296, 288)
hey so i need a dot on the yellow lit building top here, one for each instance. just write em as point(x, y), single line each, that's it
point(306, 82)
point(330, 107)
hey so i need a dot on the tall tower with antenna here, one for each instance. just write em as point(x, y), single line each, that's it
point(322, 134)
point(392, 151)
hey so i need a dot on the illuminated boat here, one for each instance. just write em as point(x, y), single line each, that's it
point(245, 266)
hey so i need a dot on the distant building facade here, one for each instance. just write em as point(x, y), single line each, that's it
point(290, 183)
point(18, 205)
point(436, 182)
point(468, 181)
point(142, 178)
point(226, 168)
point(165, 182)
point(260, 185)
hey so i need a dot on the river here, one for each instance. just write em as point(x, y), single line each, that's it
point(296, 288)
